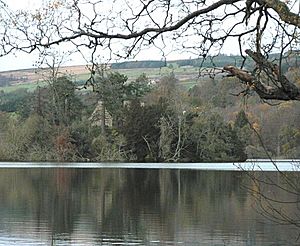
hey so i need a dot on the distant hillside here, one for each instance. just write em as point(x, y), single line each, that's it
point(31, 75)
point(218, 61)
point(138, 64)
point(13, 77)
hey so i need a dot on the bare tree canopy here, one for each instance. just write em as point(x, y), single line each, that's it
point(124, 28)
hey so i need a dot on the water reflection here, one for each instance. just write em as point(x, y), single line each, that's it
point(132, 207)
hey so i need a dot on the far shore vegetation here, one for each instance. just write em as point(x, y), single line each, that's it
point(150, 111)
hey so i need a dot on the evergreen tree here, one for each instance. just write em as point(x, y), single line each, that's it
point(241, 119)
point(141, 131)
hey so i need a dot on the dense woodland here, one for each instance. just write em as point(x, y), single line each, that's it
point(121, 120)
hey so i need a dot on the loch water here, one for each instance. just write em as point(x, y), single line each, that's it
point(141, 206)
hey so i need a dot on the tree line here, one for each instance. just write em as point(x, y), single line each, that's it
point(121, 120)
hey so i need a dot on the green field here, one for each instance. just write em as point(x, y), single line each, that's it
point(30, 86)
point(187, 76)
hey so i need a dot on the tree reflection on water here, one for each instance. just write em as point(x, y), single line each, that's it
point(95, 205)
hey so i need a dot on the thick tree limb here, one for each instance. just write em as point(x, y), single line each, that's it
point(283, 11)
point(288, 87)
point(280, 89)
point(243, 75)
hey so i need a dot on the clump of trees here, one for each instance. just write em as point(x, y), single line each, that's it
point(121, 120)
point(137, 122)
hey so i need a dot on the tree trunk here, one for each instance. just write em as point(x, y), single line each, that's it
point(103, 118)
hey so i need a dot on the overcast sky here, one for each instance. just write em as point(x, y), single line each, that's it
point(22, 60)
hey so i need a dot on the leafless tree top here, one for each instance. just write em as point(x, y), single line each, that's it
point(123, 28)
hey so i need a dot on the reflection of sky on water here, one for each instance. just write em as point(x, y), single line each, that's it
point(27, 233)
point(251, 165)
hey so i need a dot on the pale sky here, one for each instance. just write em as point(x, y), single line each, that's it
point(22, 60)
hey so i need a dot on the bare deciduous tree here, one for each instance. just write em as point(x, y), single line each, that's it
point(122, 29)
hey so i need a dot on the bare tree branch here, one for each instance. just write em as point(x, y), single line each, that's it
point(122, 29)
point(280, 89)
point(283, 11)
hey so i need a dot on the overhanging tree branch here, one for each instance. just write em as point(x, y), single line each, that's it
point(276, 86)
point(196, 26)
point(283, 11)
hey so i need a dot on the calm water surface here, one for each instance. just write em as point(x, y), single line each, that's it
point(68, 206)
